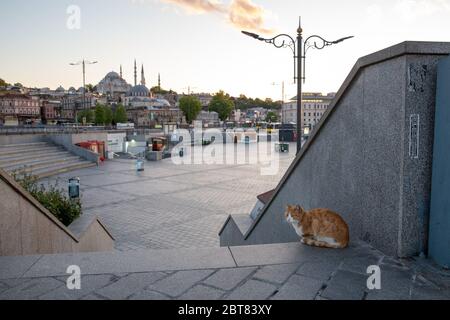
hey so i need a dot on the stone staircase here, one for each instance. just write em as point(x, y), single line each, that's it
point(42, 159)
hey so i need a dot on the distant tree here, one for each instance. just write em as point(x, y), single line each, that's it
point(271, 117)
point(222, 104)
point(18, 84)
point(3, 83)
point(85, 114)
point(120, 115)
point(89, 88)
point(191, 107)
point(99, 114)
point(108, 114)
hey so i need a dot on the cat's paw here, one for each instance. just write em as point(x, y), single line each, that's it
point(303, 241)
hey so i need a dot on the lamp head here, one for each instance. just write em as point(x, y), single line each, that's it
point(252, 35)
point(343, 39)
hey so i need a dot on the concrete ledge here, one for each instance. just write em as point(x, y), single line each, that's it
point(28, 228)
point(124, 262)
point(173, 260)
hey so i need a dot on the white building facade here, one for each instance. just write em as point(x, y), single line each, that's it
point(314, 106)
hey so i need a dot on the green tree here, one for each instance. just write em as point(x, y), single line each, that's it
point(99, 114)
point(222, 104)
point(88, 114)
point(3, 83)
point(191, 107)
point(120, 115)
point(89, 88)
point(271, 117)
point(108, 115)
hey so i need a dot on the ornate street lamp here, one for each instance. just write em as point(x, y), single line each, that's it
point(299, 49)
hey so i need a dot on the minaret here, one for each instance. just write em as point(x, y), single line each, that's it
point(142, 76)
point(135, 73)
point(121, 74)
point(159, 81)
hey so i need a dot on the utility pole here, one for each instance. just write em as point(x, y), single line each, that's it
point(83, 64)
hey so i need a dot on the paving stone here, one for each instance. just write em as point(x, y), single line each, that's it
point(386, 295)
point(93, 297)
point(129, 285)
point(202, 292)
point(396, 280)
point(277, 273)
point(88, 285)
point(228, 279)
point(3, 287)
point(148, 295)
point(359, 264)
point(253, 290)
point(15, 267)
point(319, 270)
point(31, 289)
point(174, 285)
point(345, 285)
point(299, 288)
point(429, 293)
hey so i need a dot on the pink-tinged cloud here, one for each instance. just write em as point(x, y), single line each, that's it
point(242, 14)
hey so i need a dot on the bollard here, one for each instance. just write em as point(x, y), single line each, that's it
point(139, 165)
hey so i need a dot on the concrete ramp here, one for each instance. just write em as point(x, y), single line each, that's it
point(369, 159)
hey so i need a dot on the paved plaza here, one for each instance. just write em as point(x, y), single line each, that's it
point(168, 205)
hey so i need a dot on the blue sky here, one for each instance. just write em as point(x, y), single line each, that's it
point(203, 49)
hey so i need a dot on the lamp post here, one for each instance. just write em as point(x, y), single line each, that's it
point(299, 48)
point(83, 64)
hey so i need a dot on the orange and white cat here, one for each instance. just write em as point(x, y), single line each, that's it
point(319, 227)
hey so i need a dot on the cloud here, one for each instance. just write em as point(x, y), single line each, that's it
point(242, 14)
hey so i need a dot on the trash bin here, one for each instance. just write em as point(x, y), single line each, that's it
point(74, 188)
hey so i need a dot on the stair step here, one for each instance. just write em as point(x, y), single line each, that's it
point(4, 153)
point(50, 157)
point(44, 164)
point(55, 171)
point(31, 155)
point(6, 146)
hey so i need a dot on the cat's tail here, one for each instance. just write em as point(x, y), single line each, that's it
point(323, 244)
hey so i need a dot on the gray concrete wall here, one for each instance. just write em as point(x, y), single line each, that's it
point(67, 141)
point(21, 138)
point(357, 161)
point(26, 228)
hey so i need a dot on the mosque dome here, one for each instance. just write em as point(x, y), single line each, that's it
point(60, 89)
point(139, 91)
point(112, 75)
